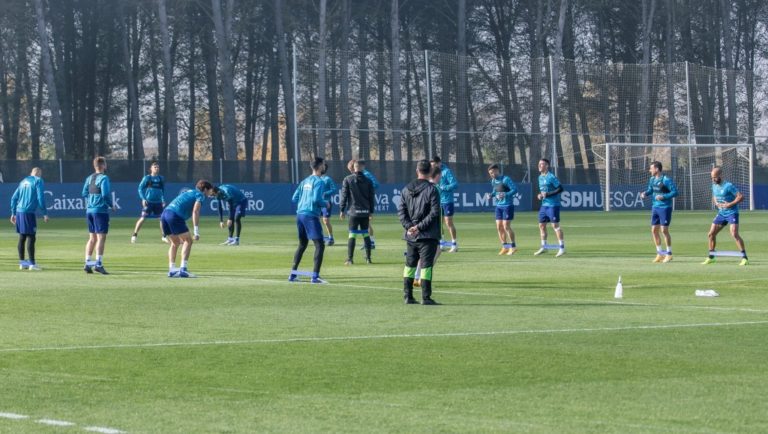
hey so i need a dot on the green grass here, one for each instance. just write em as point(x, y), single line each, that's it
point(521, 344)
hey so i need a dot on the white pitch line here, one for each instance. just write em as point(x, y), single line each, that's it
point(103, 430)
point(381, 337)
point(54, 422)
point(13, 416)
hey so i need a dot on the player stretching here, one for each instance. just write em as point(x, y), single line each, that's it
point(549, 194)
point(662, 189)
point(28, 197)
point(375, 182)
point(504, 191)
point(309, 199)
point(174, 224)
point(152, 195)
point(726, 198)
point(237, 204)
point(419, 213)
point(357, 200)
point(98, 194)
point(330, 189)
point(446, 187)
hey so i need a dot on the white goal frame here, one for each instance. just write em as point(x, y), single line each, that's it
point(690, 147)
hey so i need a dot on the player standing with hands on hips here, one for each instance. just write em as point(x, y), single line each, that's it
point(152, 195)
point(98, 194)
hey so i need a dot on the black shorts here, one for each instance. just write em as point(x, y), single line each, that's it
point(359, 222)
point(424, 250)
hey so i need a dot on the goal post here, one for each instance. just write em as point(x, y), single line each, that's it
point(624, 169)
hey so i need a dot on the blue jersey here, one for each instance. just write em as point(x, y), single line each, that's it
point(724, 193)
point(152, 189)
point(98, 193)
point(661, 185)
point(447, 185)
point(230, 194)
point(29, 196)
point(373, 179)
point(503, 184)
point(330, 187)
point(547, 183)
point(309, 196)
point(185, 202)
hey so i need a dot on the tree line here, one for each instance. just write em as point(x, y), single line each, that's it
point(213, 79)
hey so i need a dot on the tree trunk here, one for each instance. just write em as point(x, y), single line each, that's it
point(53, 99)
point(133, 91)
point(322, 84)
point(209, 55)
point(670, 73)
point(730, 74)
point(397, 150)
point(170, 98)
point(227, 83)
point(285, 77)
point(364, 152)
point(346, 136)
point(463, 151)
point(192, 84)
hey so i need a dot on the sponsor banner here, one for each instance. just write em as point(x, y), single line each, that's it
point(66, 199)
point(592, 198)
point(761, 196)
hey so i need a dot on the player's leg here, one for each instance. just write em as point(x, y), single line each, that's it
point(315, 233)
point(510, 234)
point(427, 249)
point(714, 229)
point(543, 220)
point(667, 242)
point(364, 224)
point(448, 211)
point(239, 214)
point(303, 242)
point(354, 224)
point(186, 251)
point(655, 229)
point(326, 214)
point(736, 237)
point(370, 232)
point(90, 245)
point(173, 249)
point(560, 238)
point(409, 272)
point(101, 241)
point(31, 240)
point(137, 227)
point(20, 246)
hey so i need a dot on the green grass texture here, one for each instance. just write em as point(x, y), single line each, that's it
point(522, 343)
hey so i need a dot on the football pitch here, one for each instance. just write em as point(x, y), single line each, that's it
point(519, 344)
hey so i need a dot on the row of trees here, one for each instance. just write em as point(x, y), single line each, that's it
point(202, 79)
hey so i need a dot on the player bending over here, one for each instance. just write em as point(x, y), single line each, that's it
point(174, 223)
point(237, 204)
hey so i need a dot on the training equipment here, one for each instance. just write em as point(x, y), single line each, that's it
point(296, 275)
point(734, 253)
point(34, 267)
point(545, 247)
point(623, 169)
point(24, 265)
point(706, 293)
point(708, 261)
point(133, 239)
point(619, 292)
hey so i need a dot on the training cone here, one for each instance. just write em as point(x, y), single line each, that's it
point(619, 293)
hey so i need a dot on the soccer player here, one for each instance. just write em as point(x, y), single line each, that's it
point(330, 189)
point(309, 199)
point(446, 187)
point(419, 213)
point(504, 190)
point(174, 223)
point(662, 189)
point(28, 197)
point(152, 195)
point(357, 200)
point(98, 194)
point(549, 194)
point(238, 204)
point(375, 182)
point(726, 198)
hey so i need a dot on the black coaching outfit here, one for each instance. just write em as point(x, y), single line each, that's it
point(357, 199)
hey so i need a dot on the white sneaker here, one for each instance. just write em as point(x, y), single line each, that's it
point(453, 249)
point(165, 240)
point(34, 267)
point(540, 251)
point(133, 239)
point(23, 267)
point(560, 253)
point(227, 243)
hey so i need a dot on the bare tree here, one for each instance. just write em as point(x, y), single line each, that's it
point(170, 99)
point(227, 82)
point(53, 99)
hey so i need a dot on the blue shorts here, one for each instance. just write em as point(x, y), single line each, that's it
point(98, 222)
point(661, 216)
point(549, 214)
point(722, 220)
point(26, 223)
point(325, 211)
point(505, 212)
point(238, 210)
point(447, 209)
point(172, 223)
point(153, 209)
point(309, 227)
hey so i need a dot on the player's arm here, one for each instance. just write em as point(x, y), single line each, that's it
point(297, 193)
point(373, 179)
point(372, 201)
point(343, 197)
point(14, 204)
point(671, 187)
point(402, 213)
point(450, 181)
point(143, 188)
point(434, 211)
point(511, 186)
point(648, 189)
point(41, 199)
point(106, 192)
point(196, 218)
point(738, 199)
point(319, 195)
point(84, 193)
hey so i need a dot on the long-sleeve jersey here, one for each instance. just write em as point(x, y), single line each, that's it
point(29, 196)
point(98, 193)
point(231, 195)
point(503, 184)
point(152, 189)
point(661, 186)
point(447, 185)
point(330, 187)
point(308, 196)
point(184, 203)
point(373, 179)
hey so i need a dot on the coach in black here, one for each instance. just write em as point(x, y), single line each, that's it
point(357, 199)
point(419, 213)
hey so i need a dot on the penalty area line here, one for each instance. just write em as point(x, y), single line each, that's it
point(381, 337)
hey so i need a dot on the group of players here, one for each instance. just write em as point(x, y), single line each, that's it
point(424, 203)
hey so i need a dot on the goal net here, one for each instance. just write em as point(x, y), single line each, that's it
point(623, 169)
